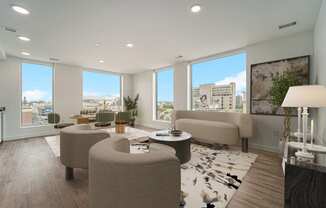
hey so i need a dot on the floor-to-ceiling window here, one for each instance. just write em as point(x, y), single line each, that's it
point(101, 91)
point(164, 94)
point(37, 94)
point(219, 84)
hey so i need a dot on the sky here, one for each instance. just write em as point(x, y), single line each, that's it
point(37, 79)
point(36, 82)
point(100, 84)
point(218, 71)
point(164, 79)
point(221, 71)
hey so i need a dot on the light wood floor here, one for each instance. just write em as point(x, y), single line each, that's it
point(31, 176)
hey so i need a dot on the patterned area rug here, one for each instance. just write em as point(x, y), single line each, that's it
point(208, 180)
point(211, 177)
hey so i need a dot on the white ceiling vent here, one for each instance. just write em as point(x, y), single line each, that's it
point(291, 24)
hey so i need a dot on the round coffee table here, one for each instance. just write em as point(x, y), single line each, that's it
point(181, 143)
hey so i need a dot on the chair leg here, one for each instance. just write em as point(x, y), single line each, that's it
point(244, 142)
point(69, 173)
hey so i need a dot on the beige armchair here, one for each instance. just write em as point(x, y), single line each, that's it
point(75, 142)
point(119, 179)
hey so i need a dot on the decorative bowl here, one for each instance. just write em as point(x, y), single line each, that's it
point(176, 132)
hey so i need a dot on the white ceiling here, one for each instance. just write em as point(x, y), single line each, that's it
point(159, 29)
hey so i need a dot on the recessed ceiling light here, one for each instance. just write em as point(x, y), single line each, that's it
point(97, 44)
point(195, 8)
point(25, 53)
point(129, 45)
point(20, 10)
point(24, 38)
point(101, 61)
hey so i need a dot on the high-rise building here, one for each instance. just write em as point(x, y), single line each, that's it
point(216, 97)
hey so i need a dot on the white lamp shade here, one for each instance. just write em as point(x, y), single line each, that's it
point(313, 96)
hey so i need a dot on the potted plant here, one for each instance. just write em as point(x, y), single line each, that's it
point(131, 106)
point(280, 86)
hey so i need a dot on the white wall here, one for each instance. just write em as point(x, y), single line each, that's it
point(320, 65)
point(268, 128)
point(180, 81)
point(67, 96)
point(67, 91)
point(143, 85)
point(128, 85)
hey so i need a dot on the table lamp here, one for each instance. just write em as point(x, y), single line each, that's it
point(305, 96)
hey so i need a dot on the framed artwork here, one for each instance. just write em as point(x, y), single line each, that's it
point(261, 80)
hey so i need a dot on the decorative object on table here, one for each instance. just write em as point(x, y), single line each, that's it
point(131, 106)
point(2, 110)
point(175, 132)
point(262, 76)
point(310, 147)
point(82, 120)
point(54, 118)
point(104, 118)
point(139, 148)
point(312, 96)
point(120, 126)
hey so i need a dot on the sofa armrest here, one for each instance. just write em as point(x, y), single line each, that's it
point(245, 126)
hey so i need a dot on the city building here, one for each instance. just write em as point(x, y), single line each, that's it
point(215, 97)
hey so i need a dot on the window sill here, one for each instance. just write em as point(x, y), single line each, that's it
point(38, 126)
point(162, 121)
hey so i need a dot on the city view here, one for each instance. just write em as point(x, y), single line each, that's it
point(93, 103)
point(101, 91)
point(164, 97)
point(217, 85)
point(164, 110)
point(220, 84)
point(218, 98)
point(35, 112)
point(36, 94)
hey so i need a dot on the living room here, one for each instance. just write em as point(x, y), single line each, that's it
point(189, 87)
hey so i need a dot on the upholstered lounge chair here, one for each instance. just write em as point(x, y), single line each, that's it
point(75, 142)
point(119, 179)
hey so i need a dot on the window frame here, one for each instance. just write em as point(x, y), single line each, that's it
point(207, 59)
point(121, 79)
point(155, 91)
point(26, 61)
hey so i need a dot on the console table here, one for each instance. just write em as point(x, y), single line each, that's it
point(305, 183)
point(305, 186)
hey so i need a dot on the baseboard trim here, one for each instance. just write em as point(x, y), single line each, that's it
point(264, 147)
point(29, 136)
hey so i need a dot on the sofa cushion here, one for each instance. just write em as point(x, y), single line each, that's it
point(210, 131)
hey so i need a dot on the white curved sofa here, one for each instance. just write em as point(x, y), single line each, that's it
point(215, 127)
point(75, 142)
point(119, 179)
